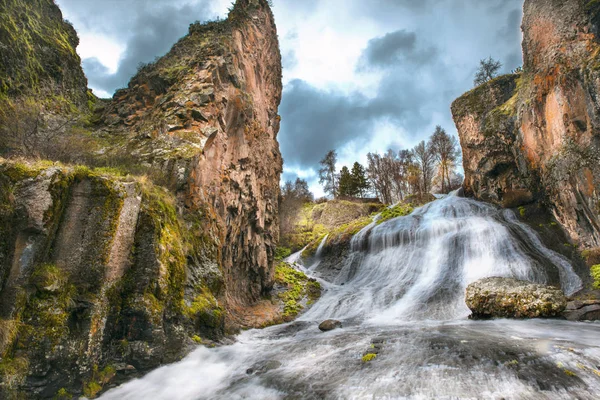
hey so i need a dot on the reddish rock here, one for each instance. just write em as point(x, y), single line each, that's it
point(534, 136)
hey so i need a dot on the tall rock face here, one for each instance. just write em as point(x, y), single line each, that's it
point(166, 238)
point(535, 136)
point(206, 115)
point(38, 52)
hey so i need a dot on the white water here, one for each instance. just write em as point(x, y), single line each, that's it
point(402, 289)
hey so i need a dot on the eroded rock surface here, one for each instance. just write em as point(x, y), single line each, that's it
point(534, 136)
point(512, 298)
point(106, 273)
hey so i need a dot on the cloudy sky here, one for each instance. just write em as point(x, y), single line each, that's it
point(359, 75)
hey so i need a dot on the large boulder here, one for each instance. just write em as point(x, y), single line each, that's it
point(512, 298)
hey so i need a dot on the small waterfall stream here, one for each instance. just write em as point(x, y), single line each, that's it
point(401, 290)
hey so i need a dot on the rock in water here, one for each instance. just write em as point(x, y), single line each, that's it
point(588, 310)
point(512, 298)
point(330, 325)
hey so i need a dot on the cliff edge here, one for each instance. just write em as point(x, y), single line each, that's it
point(534, 137)
point(150, 223)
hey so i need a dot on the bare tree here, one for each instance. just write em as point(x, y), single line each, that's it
point(327, 174)
point(293, 197)
point(377, 172)
point(488, 70)
point(446, 152)
point(425, 159)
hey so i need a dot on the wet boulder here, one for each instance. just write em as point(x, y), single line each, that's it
point(586, 310)
point(512, 298)
point(330, 325)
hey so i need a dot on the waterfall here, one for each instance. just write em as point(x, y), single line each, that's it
point(418, 267)
point(400, 293)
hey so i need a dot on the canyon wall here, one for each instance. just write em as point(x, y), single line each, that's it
point(535, 136)
point(166, 238)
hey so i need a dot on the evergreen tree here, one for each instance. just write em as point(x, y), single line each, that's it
point(346, 183)
point(359, 179)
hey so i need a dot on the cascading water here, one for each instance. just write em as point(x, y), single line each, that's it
point(401, 291)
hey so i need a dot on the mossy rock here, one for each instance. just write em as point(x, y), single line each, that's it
point(399, 210)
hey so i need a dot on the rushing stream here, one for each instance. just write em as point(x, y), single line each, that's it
point(401, 292)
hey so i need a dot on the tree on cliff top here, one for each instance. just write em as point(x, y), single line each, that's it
point(327, 174)
point(488, 70)
point(346, 184)
point(360, 180)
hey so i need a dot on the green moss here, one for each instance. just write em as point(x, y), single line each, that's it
point(282, 252)
point(63, 394)
point(20, 171)
point(369, 357)
point(591, 4)
point(346, 231)
point(13, 371)
point(8, 333)
point(484, 98)
point(98, 380)
point(25, 28)
point(595, 271)
point(399, 210)
point(197, 339)
point(522, 211)
point(91, 389)
point(169, 246)
point(298, 286)
point(311, 249)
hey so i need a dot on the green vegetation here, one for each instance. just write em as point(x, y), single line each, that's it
point(298, 286)
point(197, 339)
point(282, 253)
point(63, 394)
point(345, 232)
point(99, 378)
point(25, 27)
point(484, 98)
point(13, 371)
point(47, 311)
point(340, 219)
point(205, 309)
point(595, 270)
point(399, 210)
point(369, 357)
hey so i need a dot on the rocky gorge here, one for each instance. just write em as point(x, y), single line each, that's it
point(139, 234)
point(159, 232)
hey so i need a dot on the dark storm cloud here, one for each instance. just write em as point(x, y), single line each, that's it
point(150, 30)
point(394, 48)
point(315, 121)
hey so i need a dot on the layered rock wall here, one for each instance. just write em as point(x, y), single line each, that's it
point(535, 136)
point(168, 239)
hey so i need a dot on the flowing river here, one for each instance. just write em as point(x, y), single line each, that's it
point(400, 293)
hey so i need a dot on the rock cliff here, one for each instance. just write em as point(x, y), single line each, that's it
point(535, 136)
point(166, 238)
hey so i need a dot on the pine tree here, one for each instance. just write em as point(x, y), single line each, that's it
point(359, 179)
point(346, 183)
